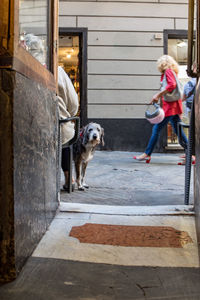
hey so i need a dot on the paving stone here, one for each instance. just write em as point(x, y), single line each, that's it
point(116, 179)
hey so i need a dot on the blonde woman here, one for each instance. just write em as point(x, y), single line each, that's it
point(166, 65)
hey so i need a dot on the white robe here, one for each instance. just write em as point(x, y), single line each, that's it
point(68, 104)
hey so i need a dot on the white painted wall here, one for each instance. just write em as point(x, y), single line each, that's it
point(122, 50)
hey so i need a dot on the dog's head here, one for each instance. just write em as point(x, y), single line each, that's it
point(93, 133)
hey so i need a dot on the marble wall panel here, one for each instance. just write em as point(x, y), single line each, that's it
point(29, 168)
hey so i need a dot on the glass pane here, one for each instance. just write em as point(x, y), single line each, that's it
point(68, 59)
point(33, 28)
point(177, 48)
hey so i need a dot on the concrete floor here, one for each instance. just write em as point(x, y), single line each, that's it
point(133, 194)
point(57, 279)
point(63, 268)
point(58, 244)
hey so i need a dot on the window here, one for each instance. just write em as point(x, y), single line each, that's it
point(33, 28)
point(28, 39)
point(176, 44)
point(177, 48)
point(69, 58)
point(72, 57)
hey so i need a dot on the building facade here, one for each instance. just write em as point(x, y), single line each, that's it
point(124, 40)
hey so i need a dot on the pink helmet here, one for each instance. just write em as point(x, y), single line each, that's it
point(156, 116)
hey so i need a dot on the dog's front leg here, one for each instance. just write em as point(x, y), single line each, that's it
point(84, 166)
point(78, 166)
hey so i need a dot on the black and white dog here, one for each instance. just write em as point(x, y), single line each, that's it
point(83, 150)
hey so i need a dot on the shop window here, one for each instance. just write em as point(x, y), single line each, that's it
point(28, 39)
point(72, 57)
point(69, 59)
point(176, 44)
point(177, 48)
point(33, 28)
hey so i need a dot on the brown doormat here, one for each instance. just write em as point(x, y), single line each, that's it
point(131, 236)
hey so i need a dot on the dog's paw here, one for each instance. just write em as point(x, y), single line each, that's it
point(85, 185)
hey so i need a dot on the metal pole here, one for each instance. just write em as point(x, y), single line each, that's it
point(189, 158)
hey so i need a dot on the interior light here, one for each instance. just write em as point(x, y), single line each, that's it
point(181, 44)
point(68, 55)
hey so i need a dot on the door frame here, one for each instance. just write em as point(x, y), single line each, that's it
point(82, 33)
point(173, 34)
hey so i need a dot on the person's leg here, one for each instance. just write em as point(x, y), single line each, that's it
point(153, 140)
point(174, 120)
point(156, 130)
point(65, 164)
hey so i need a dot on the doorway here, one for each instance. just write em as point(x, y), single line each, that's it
point(72, 56)
point(116, 179)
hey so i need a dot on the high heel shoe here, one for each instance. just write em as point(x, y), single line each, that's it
point(182, 163)
point(142, 157)
point(182, 156)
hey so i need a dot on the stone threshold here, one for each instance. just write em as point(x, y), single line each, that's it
point(156, 210)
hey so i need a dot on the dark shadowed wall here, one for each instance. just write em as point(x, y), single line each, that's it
point(28, 173)
point(129, 134)
point(197, 168)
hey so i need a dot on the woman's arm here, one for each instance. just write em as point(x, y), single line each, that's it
point(159, 95)
point(171, 85)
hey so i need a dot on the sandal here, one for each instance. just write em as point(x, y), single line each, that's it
point(143, 157)
point(182, 163)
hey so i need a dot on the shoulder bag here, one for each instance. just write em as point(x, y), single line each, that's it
point(176, 94)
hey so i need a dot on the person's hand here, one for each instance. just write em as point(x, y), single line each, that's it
point(155, 99)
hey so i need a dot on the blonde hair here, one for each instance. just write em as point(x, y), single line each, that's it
point(167, 62)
